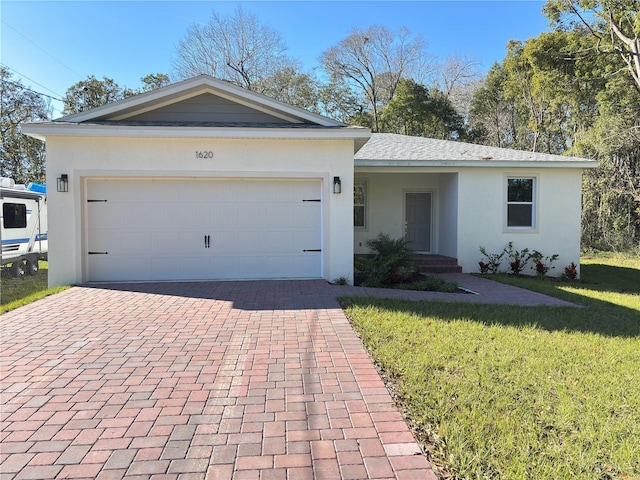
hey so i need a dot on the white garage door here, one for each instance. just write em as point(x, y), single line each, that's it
point(203, 229)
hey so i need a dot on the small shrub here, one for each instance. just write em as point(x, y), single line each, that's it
point(571, 271)
point(341, 281)
point(542, 263)
point(484, 267)
point(389, 262)
point(518, 259)
point(494, 260)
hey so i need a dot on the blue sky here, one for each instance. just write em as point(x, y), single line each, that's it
point(54, 44)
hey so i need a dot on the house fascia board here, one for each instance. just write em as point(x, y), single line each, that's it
point(405, 165)
point(173, 93)
point(43, 130)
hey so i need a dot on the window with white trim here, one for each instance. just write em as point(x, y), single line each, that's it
point(359, 203)
point(521, 196)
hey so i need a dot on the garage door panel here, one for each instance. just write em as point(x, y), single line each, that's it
point(305, 217)
point(156, 230)
point(223, 216)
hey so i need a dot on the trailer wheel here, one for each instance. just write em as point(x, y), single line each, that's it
point(18, 269)
point(32, 267)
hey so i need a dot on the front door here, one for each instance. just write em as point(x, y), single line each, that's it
point(418, 221)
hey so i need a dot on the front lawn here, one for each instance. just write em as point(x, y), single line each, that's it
point(15, 292)
point(496, 391)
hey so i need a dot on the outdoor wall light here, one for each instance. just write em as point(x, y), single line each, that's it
point(63, 183)
point(337, 185)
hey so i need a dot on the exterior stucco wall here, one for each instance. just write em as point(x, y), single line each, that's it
point(469, 211)
point(85, 157)
point(385, 208)
point(482, 216)
point(448, 215)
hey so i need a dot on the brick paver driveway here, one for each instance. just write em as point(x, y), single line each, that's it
point(257, 380)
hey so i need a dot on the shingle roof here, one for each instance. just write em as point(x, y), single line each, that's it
point(392, 149)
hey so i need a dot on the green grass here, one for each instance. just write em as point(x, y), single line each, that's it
point(16, 292)
point(520, 392)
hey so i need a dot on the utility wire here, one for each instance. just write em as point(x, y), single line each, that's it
point(26, 89)
point(31, 79)
point(42, 49)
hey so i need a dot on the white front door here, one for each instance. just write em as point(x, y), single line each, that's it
point(202, 229)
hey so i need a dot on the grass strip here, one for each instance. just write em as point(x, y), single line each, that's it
point(497, 391)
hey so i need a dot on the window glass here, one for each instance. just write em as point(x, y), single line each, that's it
point(520, 207)
point(359, 203)
point(520, 189)
point(519, 216)
point(14, 215)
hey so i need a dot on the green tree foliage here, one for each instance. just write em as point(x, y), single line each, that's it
point(373, 61)
point(417, 111)
point(149, 82)
point(22, 156)
point(611, 213)
point(614, 24)
point(91, 93)
point(154, 81)
point(336, 100)
point(561, 93)
point(494, 118)
point(292, 87)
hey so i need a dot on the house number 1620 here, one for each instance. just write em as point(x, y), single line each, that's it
point(204, 154)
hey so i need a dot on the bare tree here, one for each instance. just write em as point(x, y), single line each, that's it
point(237, 48)
point(374, 60)
point(458, 77)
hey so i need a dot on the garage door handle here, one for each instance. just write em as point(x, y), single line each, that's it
point(98, 253)
point(312, 250)
point(207, 241)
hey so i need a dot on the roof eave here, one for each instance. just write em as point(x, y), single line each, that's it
point(582, 163)
point(43, 130)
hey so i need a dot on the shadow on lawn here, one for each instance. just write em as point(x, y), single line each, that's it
point(607, 278)
point(599, 316)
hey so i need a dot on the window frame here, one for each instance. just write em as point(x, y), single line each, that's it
point(14, 215)
point(534, 203)
point(361, 181)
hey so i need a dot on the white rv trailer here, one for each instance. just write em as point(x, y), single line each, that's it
point(23, 226)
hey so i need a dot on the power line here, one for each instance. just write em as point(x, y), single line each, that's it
point(26, 89)
point(31, 79)
point(40, 48)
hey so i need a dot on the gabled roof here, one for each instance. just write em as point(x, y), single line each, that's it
point(201, 107)
point(203, 84)
point(392, 150)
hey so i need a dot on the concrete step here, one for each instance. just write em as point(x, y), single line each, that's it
point(436, 264)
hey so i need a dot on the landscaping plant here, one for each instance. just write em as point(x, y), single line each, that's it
point(514, 392)
point(542, 263)
point(389, 262)
point(571, 271)
point(517, 258)
point(494, 260)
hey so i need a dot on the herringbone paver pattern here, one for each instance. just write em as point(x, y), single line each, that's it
point(243, 380)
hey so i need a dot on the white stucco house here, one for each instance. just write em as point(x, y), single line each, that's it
point(204, 180)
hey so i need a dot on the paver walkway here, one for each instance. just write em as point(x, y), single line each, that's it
point(217, 380)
